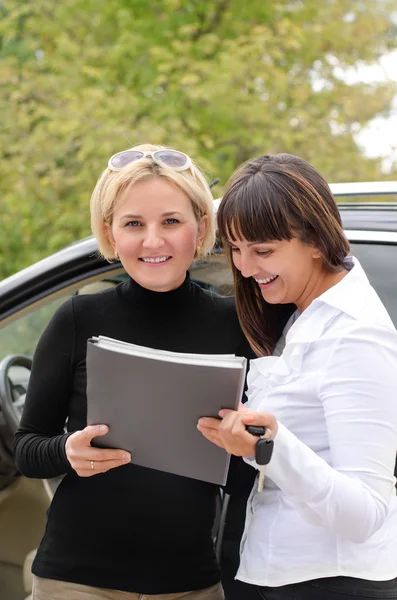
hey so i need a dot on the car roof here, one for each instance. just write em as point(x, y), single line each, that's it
point(372, 222)
point(358, 214)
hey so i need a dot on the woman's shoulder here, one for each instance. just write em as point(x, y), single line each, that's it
point(366, 324)
point(214, 306)
point(90, 298)
point(363, 331)
point(84, 308)
point(219, 316)
point(324, 320)
point(365, 344)
point(210, 297)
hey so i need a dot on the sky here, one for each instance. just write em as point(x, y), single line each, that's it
point(379, 138)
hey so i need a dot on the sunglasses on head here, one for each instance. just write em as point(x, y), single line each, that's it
point(172, 158)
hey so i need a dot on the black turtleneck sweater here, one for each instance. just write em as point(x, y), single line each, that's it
point(132, 528)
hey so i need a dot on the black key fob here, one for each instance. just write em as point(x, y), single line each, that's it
point(257, 430)
point(263, 451)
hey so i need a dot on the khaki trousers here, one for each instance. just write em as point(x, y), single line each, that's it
point(50, 589)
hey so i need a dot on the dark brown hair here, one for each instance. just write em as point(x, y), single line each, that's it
point(270, 198)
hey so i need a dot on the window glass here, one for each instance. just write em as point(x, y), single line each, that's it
point(21, 335)
point(366, 198)
point(214, 274)
point(378, 260)
point(380, 264)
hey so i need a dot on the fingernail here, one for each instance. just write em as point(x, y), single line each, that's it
point(127, 458)
point(202, 421)
point(103, 428)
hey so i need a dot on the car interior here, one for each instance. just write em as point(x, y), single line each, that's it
point(24, 502)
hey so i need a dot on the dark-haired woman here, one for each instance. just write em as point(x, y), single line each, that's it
point(325, 525)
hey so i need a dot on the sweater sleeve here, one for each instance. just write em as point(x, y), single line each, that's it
point(39, 446)
point(351, 495)
point(244, 349)
point(240, 478)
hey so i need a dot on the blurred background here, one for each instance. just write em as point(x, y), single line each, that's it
point(222, 80)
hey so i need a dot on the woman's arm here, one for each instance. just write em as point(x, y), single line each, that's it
point(39, 447)
point(358, 392)
point(42, 449)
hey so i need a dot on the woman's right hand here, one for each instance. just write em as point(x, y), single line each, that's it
point(87, 460)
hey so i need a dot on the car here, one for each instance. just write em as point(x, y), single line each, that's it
point(29, 298)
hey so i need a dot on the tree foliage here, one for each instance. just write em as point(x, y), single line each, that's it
point(222, 81)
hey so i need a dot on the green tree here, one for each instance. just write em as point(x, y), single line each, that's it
point(222, 81)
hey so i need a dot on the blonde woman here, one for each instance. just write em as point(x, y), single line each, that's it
point(116, 530)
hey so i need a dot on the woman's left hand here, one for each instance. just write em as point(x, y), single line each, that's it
point(231, 434)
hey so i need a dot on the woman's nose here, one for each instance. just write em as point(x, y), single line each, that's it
point(153, 238)
point(247, 266)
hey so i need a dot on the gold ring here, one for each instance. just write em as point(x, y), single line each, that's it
point(92, 465)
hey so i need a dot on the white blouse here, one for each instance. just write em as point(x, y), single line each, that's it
point(329, 505)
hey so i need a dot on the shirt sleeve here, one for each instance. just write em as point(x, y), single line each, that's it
point(39, 446)
point(357, 390)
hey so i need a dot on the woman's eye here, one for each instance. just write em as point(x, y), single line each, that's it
point(171, 221)
point(132, 224)
point(264, 252)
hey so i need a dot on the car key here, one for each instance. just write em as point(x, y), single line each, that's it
point(263, 450)
point(258, 430)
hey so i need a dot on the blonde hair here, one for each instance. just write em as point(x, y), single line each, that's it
point(112, 186)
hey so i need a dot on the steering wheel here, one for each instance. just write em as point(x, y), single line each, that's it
point(12, 399)
point(12, 396)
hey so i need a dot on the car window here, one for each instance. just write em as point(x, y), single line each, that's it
point(213, 273)
point(22, 334)
point(380, 264)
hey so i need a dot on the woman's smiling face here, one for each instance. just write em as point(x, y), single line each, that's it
point(155, 232)
point(287, 271)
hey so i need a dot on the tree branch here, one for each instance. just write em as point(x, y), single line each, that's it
point(222, 5)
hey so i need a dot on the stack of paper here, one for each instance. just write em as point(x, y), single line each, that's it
point(152, 399)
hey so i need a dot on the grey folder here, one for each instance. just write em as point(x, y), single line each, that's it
point(152, 406)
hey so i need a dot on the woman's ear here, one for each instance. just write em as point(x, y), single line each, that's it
point(202, 229)
point(316, 253)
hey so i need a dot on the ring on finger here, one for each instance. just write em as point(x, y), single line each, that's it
point(92, 465)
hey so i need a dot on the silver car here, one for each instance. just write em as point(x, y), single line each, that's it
point(29, 298)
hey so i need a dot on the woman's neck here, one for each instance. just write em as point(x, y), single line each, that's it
point(324, 282)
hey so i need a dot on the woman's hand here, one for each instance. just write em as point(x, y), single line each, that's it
point(88, 461)
point(231, 434)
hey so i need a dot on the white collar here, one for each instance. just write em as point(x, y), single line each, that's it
point(353, 296)
point(347, 295)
